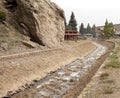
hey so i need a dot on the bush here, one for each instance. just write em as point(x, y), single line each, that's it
point(2, 16)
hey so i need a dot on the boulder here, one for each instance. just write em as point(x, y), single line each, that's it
point(42, 20)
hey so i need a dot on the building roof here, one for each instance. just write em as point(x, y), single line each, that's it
point(71, 31)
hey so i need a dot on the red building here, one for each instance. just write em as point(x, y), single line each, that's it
point(71, 35)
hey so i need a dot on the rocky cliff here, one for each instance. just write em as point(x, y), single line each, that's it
point(41, 20)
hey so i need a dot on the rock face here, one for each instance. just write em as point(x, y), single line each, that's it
point(42, 20)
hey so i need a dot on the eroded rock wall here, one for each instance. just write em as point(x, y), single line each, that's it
point(42, 20)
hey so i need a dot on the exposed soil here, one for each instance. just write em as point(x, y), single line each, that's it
point(16, 72)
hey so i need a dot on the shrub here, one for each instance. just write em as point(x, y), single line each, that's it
point(2, 16)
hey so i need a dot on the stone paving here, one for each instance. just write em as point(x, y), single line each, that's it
point(57, 83)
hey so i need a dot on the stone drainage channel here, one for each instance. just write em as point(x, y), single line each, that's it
point(58, 83)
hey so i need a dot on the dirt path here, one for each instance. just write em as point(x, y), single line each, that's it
point(16, 72)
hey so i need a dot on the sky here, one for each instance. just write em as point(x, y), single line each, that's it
point(91, 11)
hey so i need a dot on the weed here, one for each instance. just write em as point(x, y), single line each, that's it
point(114, 62)
point(2, 16)
point(108, 90)
point(104, 75)
point(108, 81)
point(91, 95)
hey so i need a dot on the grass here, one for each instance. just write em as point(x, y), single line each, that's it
point(91, 95)
point(2, 16)
point(104, 75)
point(108, 90)
point(109, 81)
point(113, 64)
point(114, 60)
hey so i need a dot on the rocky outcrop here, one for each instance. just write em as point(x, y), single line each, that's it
point(42, 20)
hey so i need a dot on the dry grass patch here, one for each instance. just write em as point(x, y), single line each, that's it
point(114, 59)
point(104, 76)
point(109, 81)
point(108, 90)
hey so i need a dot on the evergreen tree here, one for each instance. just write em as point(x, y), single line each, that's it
point(89, 29)
point(81, 29)
point(94, 31)
point(69, 27)
point(106, 23)
point(109, 30)
point(72, 22)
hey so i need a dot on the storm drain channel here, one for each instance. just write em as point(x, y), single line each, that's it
point(58, 83)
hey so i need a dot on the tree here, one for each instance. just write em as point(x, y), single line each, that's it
point(109, 30)
point(81, 29)
point(106, 23)
point(72, 22)
point(89, 29)
point(94, 31)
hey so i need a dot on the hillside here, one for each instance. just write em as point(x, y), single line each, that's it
point(30, 24)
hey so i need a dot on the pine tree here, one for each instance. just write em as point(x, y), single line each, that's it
point(94, 31)
point(72, 22)
point(109, 30)
point(89, 29)
point(69, 27)
point(81, 29)
point(106, 23)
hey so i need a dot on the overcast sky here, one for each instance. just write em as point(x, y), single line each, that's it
point(92, 11)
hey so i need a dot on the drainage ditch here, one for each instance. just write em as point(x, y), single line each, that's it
point(66, 82)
